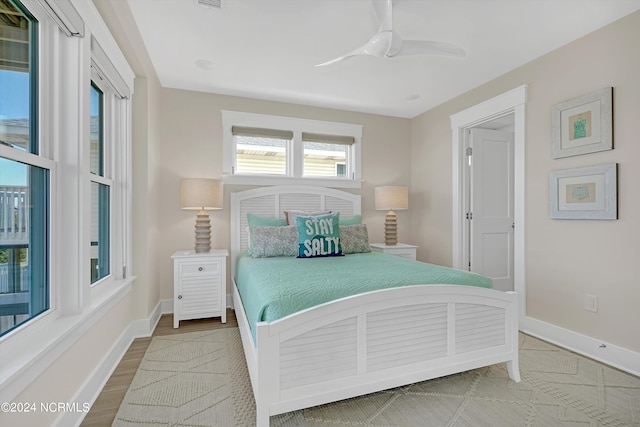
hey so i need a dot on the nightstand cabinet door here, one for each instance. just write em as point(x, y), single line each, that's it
point(199, 285)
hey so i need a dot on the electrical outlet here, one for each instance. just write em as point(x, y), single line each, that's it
point(591, 303)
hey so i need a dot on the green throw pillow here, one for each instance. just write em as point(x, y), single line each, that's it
point(262, 221)
point(319, 235)
point(356, 219)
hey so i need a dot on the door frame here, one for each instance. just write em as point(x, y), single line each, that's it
point(511, 102)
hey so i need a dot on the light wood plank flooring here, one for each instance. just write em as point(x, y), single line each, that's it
point(105, 408)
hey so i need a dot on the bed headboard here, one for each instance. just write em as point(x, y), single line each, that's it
point(273, 201)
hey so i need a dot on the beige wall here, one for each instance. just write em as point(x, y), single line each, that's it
point(190, 139)
point(145, 156)
point(565, 259)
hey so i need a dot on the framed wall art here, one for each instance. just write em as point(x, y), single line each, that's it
point(583, 125)
point(584, 193)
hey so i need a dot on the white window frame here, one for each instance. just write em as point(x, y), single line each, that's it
point(295, 153)
point(65, 59)
point(109, 147)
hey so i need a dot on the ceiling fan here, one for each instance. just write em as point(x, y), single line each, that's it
point(387, 43)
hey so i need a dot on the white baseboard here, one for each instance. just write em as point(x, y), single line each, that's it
point(92, 387)
point(166, 306)
point(610, 354)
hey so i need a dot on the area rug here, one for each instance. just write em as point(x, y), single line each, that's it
point(200, 379)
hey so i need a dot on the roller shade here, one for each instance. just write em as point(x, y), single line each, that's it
point(261, 132)
point(331, 139)
point(66, 16)
point(107, 71)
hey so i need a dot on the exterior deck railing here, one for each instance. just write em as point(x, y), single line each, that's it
point(8, 286)
point(14, 217)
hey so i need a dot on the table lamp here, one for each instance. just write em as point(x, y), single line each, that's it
point(391, 198)
point(202, 194)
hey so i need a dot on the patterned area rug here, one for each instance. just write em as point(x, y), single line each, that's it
point(200, 379)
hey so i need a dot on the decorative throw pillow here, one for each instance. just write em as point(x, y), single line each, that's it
point(291, 215)
point(354, 239)
point(319, 235)
point(356, 219)
point(272, 241)
point(255, 220)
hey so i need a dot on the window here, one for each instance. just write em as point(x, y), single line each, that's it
point(35, 58)
point(261, 151)
point(326, 155)
point(109, 165)
point(267, 150)
point(24, 176)
point(99, 265)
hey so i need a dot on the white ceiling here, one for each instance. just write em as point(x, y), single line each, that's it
point(266, 49)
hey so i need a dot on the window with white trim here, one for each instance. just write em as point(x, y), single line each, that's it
point(265, 150)
point(100, 183)
point(64, 166)
point(108, 171)
point(24, 175)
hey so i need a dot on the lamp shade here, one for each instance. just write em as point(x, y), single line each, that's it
point(201, 194)
point(392, 198)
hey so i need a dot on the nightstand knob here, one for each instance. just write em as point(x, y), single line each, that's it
point(179, 296)
point(200, 268)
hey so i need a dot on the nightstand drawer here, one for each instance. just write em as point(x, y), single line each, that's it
point(199, 268)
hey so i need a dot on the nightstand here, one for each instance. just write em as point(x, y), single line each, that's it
point(401, 249)
point(199, 284)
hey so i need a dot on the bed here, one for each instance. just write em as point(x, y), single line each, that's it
point(375, 339)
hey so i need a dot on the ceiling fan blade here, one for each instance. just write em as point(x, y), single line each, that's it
point(377, 46)
point(427, 47)
point(338, 59)
point(384, 12)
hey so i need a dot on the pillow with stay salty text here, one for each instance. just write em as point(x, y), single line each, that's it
point(319, 235)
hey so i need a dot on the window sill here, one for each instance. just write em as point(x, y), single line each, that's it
point(28, 352)
point(285, 180)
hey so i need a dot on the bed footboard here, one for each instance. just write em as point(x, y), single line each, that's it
point(380, 340)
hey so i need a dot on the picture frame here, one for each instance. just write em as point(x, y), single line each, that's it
point(583, 125)
point(584, 193)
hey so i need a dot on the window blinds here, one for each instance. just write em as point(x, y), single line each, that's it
point(66, 16)
point(261, 132)
point(107, 71)
point(330, 139)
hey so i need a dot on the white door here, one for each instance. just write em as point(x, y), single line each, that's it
point(491, 217)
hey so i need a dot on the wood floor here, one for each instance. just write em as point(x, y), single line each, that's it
point(105, 408)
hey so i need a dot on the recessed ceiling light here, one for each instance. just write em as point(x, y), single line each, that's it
point(412, 97)
point(205, 64)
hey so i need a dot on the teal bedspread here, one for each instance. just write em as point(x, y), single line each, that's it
point(272, 288)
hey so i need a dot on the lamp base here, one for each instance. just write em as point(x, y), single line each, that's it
point(203, 232)
point(391, 229)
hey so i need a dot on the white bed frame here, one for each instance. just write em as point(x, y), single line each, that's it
point(367, 342)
